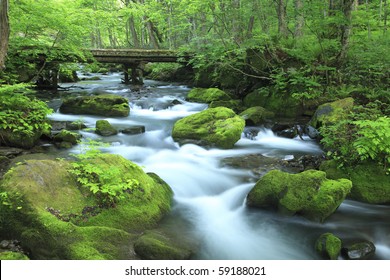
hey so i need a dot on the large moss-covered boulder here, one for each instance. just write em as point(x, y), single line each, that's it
point(55, 217)
point(332, 112)
point(107, 105)
point(328, 246)
point(256, 115)
point(203, 95)
point(370, 183)
point(282, 105)
point(309, 193)
point(153, 245)
point(219, 127)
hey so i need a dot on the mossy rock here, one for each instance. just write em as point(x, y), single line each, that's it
point(282, 105)
point(328, 246)
point(370, 183)
point(332, 112)
point(219, 127)
point(104, 128)
point(256, 115)
point(236, 105)
point(153, 245)
point(107, 105)
point(19, 139)
point(49, 210)
point(309, 193)
point(9, 255)
point(76, 125)
point(203, 95)
point(67, 136)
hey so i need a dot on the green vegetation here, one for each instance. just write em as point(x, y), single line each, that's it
point(328, 246)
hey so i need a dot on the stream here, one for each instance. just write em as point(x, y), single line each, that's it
point(209, 195)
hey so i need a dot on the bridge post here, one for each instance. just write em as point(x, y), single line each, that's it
point(126, 80)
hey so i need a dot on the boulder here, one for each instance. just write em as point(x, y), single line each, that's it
point(76, 125)
point(328, 246)
point(9, 255)
point(135, 129)
point(309, 193)
point(107, 105)
point(370, 183)
point(153, 245)
point(104, 128)
point(332, 112)
point(219, 127)
point(361, 250)
point(19, 139)
point(67, 136)
point(55, 217)
point(203, 95)
point(256, 115)
point(236, 105)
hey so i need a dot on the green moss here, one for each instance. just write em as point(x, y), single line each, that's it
point(108, 105)
point(104, 128)
point(328, 246)
point(308, 193)
point(155, 246)
point(281, 104)
point(236, 105)
point(370, 181)
point(67, 136)
point(8, 255)
point(256, 115)
point(219, 127)
point(203, 95)
point(332, 112)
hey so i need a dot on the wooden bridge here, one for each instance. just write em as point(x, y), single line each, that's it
point(134, 59)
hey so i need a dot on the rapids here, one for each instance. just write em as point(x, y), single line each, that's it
point(209, 197)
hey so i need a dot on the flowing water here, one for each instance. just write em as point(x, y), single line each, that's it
point(209, 196)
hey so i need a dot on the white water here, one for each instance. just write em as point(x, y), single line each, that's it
point(210, 198)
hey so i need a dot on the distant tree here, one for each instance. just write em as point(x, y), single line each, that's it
point(4, 31)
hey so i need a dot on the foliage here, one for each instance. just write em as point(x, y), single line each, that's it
point(20, 113)
point(105, 183)
point(363, 135)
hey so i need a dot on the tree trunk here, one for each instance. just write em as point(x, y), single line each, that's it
point(4, 31)
point(299, 18)
point(347, 6)
point(282, 18)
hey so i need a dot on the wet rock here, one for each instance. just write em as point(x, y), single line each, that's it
point(76, 125)
point(309, 193)
point(67, 136)
point(307, 162)
point(136, 129)
point(219, 127)
point(104, 128)
point(358, 251)
point(328, 246)
point(312, 132)
point(10, 152)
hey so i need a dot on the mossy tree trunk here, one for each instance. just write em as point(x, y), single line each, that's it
point(4, 31)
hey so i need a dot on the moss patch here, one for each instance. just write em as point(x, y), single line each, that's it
point(308, 193)
point(370, 181)
point(219, 127)
point(332, 112)
point(328, 246)
point(8, 255)
point(155, 246)
point(108, 105)
point(203, 95)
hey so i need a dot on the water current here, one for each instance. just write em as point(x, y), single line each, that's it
point(209, 196)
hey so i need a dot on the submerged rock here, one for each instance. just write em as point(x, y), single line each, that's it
point(328, 246)
point(309, 193)
point(203, 95)
point(107, 105)
point(135, 129)
point(55, 217)
point(219, 127)
point(362, 250)
point(370, 183)
point(153, 245)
